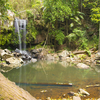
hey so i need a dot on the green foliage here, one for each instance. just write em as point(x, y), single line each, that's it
point(76, 19)
point(77, 33)
point(3, 7)
point(88, 51)
point(8, 37)
point(95, 16)
point(32, 32)
point(56, 10)
point(94, 7)
point(37, 4)
point(95, 40)
point(78, 37)
point(83, 56)
point(59, 36)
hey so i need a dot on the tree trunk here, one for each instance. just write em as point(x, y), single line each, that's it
point(56, 29)
point(81, 5)
point(47, 35)
point(99, 38)
point(66, 27)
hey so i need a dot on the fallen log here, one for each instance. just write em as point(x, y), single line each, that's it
point(79, 52)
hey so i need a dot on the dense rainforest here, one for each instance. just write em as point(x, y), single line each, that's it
point(64, 24)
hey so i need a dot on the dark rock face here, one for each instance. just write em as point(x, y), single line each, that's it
point(40, 38)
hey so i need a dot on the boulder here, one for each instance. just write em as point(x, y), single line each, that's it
point(33, 60)
point(34, 51)
point(18, 51)
point(42, 54)
point(4, 54)
point(97, 68)
point(9, 66)
point(82, 66)
point(13, 60)
point(7, 51)
point(56, 57)
point(64, 63)
point(83, 92)
point(97, 61)
point(35, 55)
point(50, 57)
point(64, 53)
point(97, 56)
point(76, 98)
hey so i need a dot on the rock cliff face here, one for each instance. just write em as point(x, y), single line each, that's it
point(9, 91)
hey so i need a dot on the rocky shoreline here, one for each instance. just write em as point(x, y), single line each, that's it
point(82, 59)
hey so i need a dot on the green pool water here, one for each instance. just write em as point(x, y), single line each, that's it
point(42, 79)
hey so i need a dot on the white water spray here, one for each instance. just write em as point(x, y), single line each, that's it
point(20, 28)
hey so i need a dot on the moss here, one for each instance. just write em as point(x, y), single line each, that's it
point(2, 61)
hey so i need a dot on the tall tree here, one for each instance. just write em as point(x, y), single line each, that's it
point(3, 7)
point(95, 17)
point(94, 7)
point(54, 12)
point(57, 12)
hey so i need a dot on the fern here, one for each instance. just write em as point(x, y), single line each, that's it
point(59, 36)
point(78, 35)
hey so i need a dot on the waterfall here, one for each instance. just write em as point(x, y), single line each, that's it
point(18, 31)
point(20, 28)
point(23, 29)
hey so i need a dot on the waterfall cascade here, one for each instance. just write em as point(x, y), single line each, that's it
point(20, 28)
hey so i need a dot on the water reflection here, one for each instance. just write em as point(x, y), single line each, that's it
point(43, 72)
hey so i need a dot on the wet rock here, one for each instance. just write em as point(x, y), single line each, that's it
point(76, 98)
point(2, 52)
point(34, 51)
point(33, 60)
point(18, 51)
point(71, 93)
point(48, 98)
point(4, 65)
point(97, 68)
point(22, 54)
point(64, 63)
point(7, 51)
point(96, 85)
point(97, 56)
point(4, 55)
point(13, 60)
point(97, 61)
point(43, 91)
point(63, 55)
point(83, 92)
point(49, 57)
point(64, 99)
point(23, 57)
point(35, 55)
point(82, 66)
